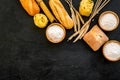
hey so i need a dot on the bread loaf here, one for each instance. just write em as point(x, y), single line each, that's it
point(61, 14)
point(95, 38)
point(30, 6)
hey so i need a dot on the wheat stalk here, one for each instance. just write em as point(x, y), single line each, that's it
point(76, 17)
point(81, 32)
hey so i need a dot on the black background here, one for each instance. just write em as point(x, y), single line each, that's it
point(26, 54)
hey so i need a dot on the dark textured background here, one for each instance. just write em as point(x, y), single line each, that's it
point(26, 54)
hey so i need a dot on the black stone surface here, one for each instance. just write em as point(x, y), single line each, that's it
point(26, 54)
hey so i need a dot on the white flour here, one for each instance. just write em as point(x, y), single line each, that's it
point(112, 50)
point(56, 33)
point(108, 21)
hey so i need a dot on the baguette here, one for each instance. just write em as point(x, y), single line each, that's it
point(61, 14)
point(30, 6)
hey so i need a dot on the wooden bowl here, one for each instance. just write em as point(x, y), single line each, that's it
point(111, 50)
point(55, 33)
point(108, 23)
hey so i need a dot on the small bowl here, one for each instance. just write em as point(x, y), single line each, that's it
point(112, 25)
point(111, 56)
point(55, 33)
